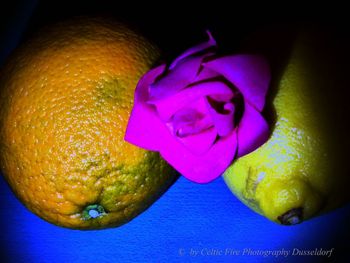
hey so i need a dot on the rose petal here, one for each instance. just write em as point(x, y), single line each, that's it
point(199, 143)
point(224, 122)
point(200, 168)
point(142, 87)
point(144, 127)
point(249, 73)
point(167, 107)
point(177, 79)
point(196, 49)
point(253, 131)
point(176, 104)
point(189, 121)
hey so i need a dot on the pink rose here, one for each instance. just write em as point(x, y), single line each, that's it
point(202, 111)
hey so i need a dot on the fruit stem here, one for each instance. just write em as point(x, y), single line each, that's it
point(93, 211)
point(292, 217)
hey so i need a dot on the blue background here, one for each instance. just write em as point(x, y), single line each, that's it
point(187, 218)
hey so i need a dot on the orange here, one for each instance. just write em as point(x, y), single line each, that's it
point(66, 96)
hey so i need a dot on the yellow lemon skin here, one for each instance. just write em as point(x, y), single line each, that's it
point(300, 171)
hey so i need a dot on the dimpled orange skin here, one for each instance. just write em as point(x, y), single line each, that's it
point(66, 96)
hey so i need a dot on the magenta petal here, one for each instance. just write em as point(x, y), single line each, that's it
point(224, 122)
point(206, 74)
point(167, 107)
point(201, 168)
point(144, 127)
point(176, 79)
point(253, 131)
point(201, 142)
point(249, 73)
point(189, 121)
point(196, 49)
point(142, 88)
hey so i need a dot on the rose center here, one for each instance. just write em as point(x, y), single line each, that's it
point(188, 122)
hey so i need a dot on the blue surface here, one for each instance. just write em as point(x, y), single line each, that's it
point(188, 217)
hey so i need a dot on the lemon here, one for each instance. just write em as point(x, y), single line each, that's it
point(300, 171)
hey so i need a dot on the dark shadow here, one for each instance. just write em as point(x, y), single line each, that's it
point(275, 43)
